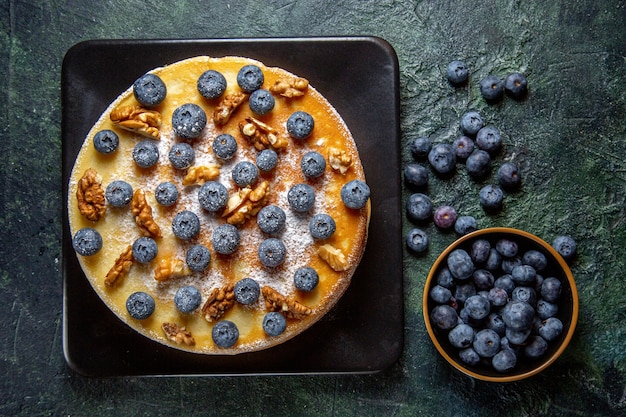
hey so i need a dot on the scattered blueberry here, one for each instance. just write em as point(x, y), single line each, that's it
point(187, 299)
point(149, 90)
point(106, 141)
point(322, 226)
point(119, 193)
point(465, 225)
point(181, 155)
point(490, 197)
point(489, 139)
point(213, 196)
point(486, 343)
point(301, 197)
point(188, 121)
point(140, 305)
point(87, 241)
point(146, 153)
point(444, 317)
point(463, 147)
point(305, 278)
point(198, 258)
point(565, 246)
point(457, 72)
point(478, 163)
point(274, 323)
point(186, 225)
point(211, 84)
point(144, 249)
point(266, 160)
point(313, 164)
point(225, 239)
point(355, 194)
point(471, 123)
point(461, 336)
point(245, 173)
point(420, 147)
point(250, 78)
point(492, 88)
point(300, 124)
point(225, 334)
point(272, 252)
point(516, 85)
point(460, 264)
point(444, 217)
point(271, 219)
point(442, 158)
point(247, 291)
point(261, 102)
point(166, 193)
point(417, 240)
point(225, 146)
point(509, 176)
point(419, 207)
point(415, 175)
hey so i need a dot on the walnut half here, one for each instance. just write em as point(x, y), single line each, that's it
point(170, 269)
point(178, 334)
point(90, 195)
point(120, 268)
point(292, 87)
point(137, 119)
point(333, 257)
point(220, 299)
point(275, 301)
point(143, 215)
point(246, 203)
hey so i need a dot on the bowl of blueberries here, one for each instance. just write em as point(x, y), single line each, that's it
point(500, 304)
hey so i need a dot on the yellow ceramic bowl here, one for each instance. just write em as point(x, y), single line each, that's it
point(568, 305)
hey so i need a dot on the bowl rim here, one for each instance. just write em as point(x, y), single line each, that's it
point(562, 264)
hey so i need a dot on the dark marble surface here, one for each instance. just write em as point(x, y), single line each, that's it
point(568, 136)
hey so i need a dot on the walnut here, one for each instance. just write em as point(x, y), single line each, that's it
point(171, 268)
point(120, 268)
point(137, 119)
point(199, 174)
point(246, 203)
point(333, 257)
point(275, 301)
point(143, 215)
point(218, 302)
point(293, 87)
point(178, 334)
point(261, 135)
point(338, 160)
point(90, 195)
point(227, 107)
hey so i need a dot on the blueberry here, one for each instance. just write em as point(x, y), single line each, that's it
point(149, 90)
point(465, 225)
point(460, 264)
point(415, 175)
point(181, 155)
point(271, 219)
point(440, 295)
point(507, 247)
point(509, 263)
point(144, 249)
point(546, 309)
point(486, 343)
point(272, 252)
point(211, 84)
point(225, 334)
point(524, 275)
point(535, 259)
point(419, 207)
point(492, 88)
point(261, 102)
point(313, 164)
point(461, 336)
point(106, 141)
point(442, 158)
point(274, 323)
point(478, 307)
point(464, 291)
point(469, 356)
point(245, 173)
point(457, 72)
point(506, 283)
point(187, 299)
point(480, 251)
point(504, 361)
point(198, 258)
point(483, 279)
point(322, 226)
point(247, 291)
point(471, 123)
point(420, 147)
point(494, 261)
point(478, 163)
point(140, 305)
point(494, 322)
point(444, 317)
point(166, 193)
point(250, 78)
point(212, 196)
point(300, 124)
point(445, 217)
point(87, 241)
point(509, 176)
point(445, 278)
point(551, 329)
point(188, 121)
point(489, 139)
point(355, 194)
point(551, 289)
point(146, 153)
point(186, 225)
point(225, 239)
point(225, 146)
point(525, 294)
point(301, 197)
point(535, 347)
point(516, 85)
point(565, 246)
point(518, 315)
point(417, 240)
point(266, 160)
point(119, 193)
point(463, 147)
point(490, 197)
point(305, 278)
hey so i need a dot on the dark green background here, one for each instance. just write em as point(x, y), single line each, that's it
point(569, 137)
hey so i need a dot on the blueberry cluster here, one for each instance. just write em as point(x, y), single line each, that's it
point(491, 302)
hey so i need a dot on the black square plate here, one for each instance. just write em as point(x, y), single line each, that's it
point(364, 332)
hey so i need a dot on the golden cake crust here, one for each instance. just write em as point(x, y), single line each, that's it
point(114, 274)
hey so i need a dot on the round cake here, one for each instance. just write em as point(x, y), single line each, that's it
point(219, 206)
